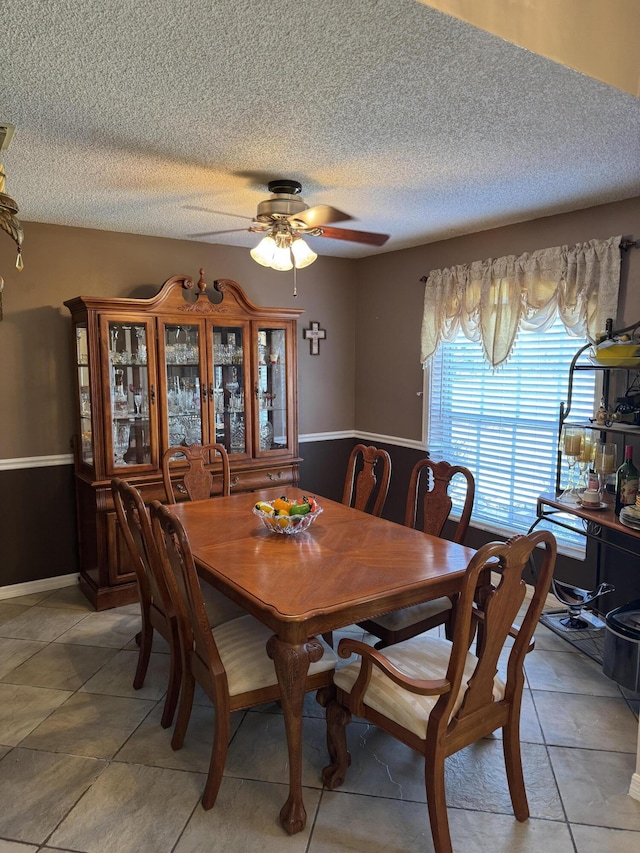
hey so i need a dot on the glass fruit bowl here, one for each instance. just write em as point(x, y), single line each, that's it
point(286, 524)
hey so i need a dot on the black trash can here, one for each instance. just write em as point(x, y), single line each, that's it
point(621, 659)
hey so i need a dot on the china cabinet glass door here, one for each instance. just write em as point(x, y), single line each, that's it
point(184, 382)
point(271, 390)
point(229, 387)
point(131, 394)
point(84, 393)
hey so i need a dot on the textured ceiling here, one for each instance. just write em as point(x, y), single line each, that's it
point(128, 114)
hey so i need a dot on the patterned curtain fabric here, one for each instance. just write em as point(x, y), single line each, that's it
point(490, 300)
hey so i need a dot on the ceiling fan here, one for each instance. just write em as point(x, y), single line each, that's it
point(286, 218)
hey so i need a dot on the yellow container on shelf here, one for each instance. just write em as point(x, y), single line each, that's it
point(617, 354)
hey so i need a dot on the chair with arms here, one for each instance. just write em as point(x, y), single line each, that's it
point(197, 481)
point(367, 479)
point(428, 508)
point(437, 697)
point(230, 661)
point(156, 605)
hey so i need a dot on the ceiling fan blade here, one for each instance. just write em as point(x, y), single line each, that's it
point(316, 217)
point(210, 210)
point(368, 237)
point(213, 233)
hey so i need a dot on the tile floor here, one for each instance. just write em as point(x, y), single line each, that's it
point(85, 765)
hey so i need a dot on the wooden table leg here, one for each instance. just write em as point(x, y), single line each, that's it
point(292, 665)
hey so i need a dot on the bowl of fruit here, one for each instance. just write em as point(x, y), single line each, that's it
point(286, 515)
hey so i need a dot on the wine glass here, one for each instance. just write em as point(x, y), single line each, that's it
point(605, 461)
point(137, 400)
point(571, 441)
point(584, 459)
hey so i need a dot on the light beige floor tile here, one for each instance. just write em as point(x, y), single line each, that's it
point(476, 779)
point(594, 787)
point(89, 724)
point(43, 786)
point(17, 847)
point(245, 817)
point(15, 652)
point(133, 609)
point(60, 666)
point(530, 731)
point(372, 825)
point(69, 598)
point(159, 644)
point(9, 611)
point(131, 809)
point(32, 598)
point(259, 750)
point(590, 722)
point(475, 832)
point(359, 824)
point(595, 839)
point(113, 630)
point(150, 744)
point(41, 623)
point(22, 708)
point(381, 766)
point(567, 673)
point(548, 640)
point(116, 677)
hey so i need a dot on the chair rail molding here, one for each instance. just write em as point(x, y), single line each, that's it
point(36, 462)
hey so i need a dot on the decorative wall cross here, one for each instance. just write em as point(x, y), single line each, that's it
point(314, 334)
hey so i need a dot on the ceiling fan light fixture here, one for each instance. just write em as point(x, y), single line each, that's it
point(264, 251)
point(303, 255)
point(281, 259)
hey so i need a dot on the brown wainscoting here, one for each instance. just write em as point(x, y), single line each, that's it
point(37, 524)
point(325, 464)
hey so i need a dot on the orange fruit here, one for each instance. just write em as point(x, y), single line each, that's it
point(282, 506)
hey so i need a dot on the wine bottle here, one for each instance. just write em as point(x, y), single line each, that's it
point(627, 479)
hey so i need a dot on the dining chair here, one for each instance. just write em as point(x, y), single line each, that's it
point(230, 661)
point(434, 694)
point(198, 481)
point(156, 606)
point(367, 479)
point(428, 508)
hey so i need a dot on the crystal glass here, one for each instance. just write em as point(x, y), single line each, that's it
point(585, 459)
point(605, 461)
point(571, 443)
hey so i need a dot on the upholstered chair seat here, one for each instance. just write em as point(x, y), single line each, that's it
point(424, 657)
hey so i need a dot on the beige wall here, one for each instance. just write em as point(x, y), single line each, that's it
point(368, 371)
point(60, 263)
point(390, 297)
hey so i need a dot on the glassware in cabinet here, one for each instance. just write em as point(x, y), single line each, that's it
point(131, 393)
point(271, 390)
point(84, 395)
point(230, 387)
point(184, 383)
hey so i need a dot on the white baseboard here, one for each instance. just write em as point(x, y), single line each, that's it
point(634, 790)
point(44, 585)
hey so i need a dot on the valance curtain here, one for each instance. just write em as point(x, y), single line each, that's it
point(490, 300)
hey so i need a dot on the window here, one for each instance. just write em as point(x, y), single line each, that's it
point(503, 424)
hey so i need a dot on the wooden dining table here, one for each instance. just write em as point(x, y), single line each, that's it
point(348, 566)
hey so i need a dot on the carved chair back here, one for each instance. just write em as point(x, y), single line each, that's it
point(197, 482)
point(428, 500)
point(367, 479)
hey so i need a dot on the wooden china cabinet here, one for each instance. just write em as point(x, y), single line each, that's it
point(177, 369)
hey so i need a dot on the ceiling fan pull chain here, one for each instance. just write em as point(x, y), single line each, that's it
point(295, 286)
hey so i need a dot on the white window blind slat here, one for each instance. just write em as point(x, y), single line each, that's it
point(503, 424)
